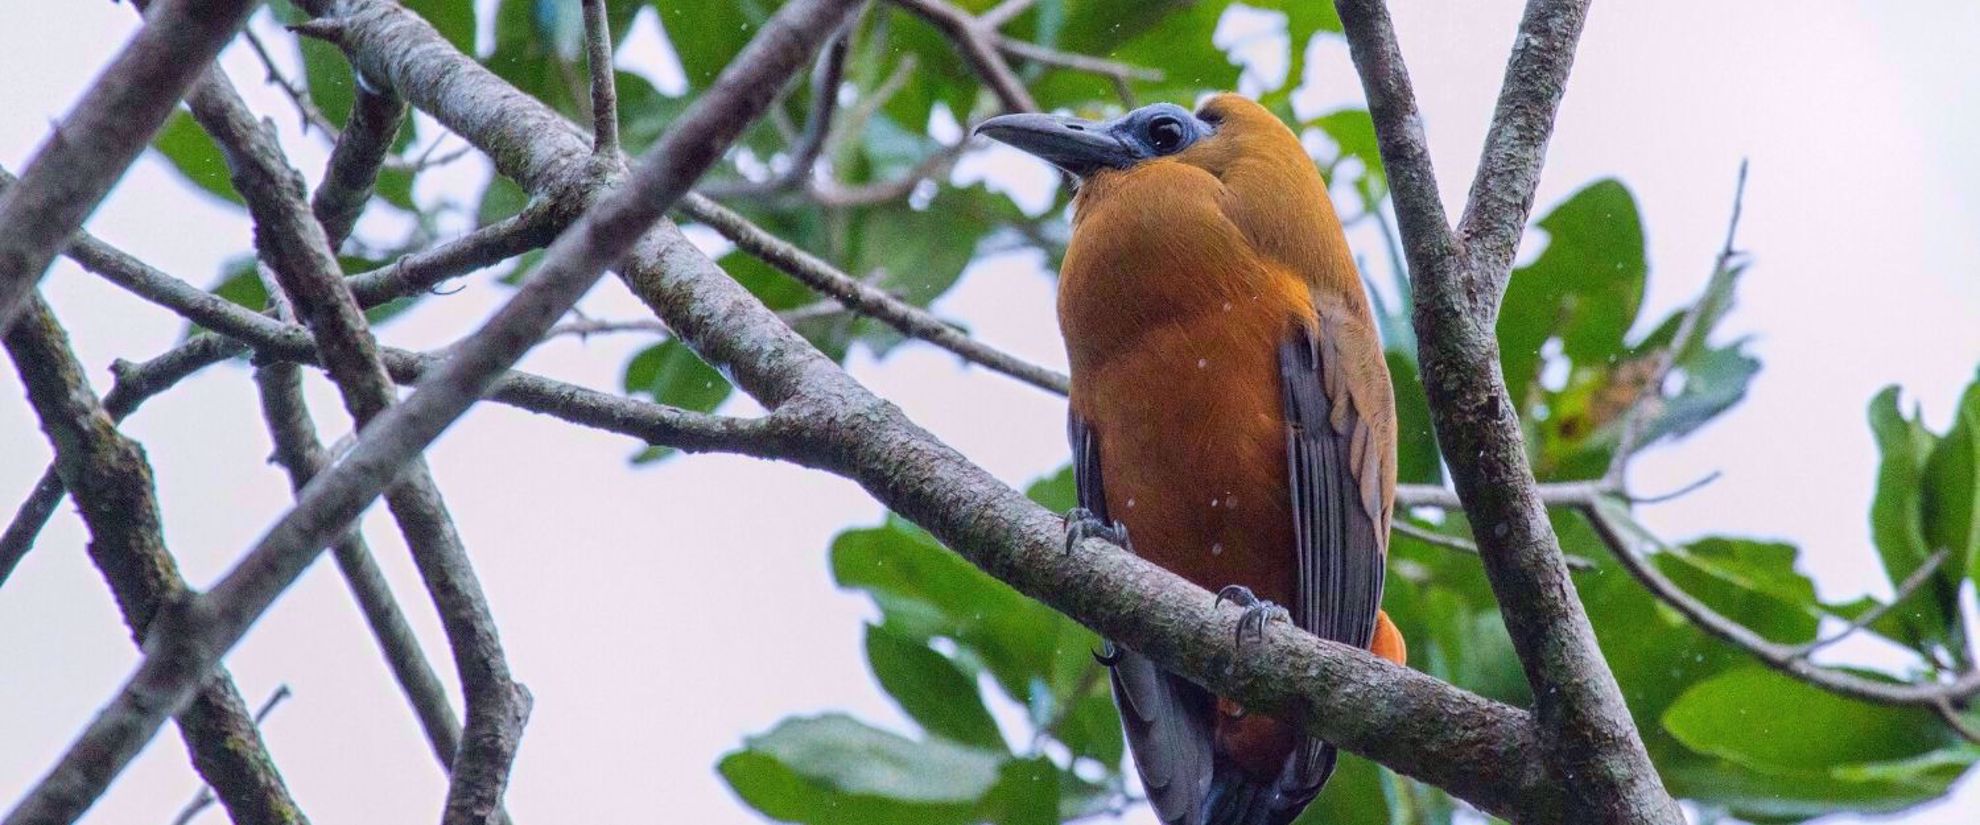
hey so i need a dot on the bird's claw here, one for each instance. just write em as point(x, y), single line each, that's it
point(1082, 524)
point(1257, 612)
point(1108, 655)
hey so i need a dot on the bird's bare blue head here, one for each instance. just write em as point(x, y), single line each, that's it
point(1084, 147)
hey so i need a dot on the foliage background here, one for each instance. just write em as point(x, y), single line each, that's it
point(667, 615)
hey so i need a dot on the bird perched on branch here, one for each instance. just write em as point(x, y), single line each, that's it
point(1231, 412)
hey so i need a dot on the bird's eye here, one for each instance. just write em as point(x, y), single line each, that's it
point(1165, 134)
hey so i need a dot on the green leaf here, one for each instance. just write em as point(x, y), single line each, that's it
point(924, 591)
point(1763, 719)
point(1950, 493)
point(643, 112)
point(452, 18)
point(1354, 132)
point(1584, 288)
point(193, 153)
point(1057, 492)
point(1417, 459)
point(1751, 582)
point(707, 35)
point(1027, 793)
point(327, 76)
point(1897, 524)
point(931, 689)
point(834, 769)
point(670, 373)
point(1092, 728)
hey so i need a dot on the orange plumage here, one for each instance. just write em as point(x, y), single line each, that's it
point(1230, 407)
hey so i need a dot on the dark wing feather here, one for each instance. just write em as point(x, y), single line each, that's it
point(1167, 719)
point(1339, 588)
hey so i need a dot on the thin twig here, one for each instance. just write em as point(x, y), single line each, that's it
point(865, 299)
point(302, 456)
point(97, 140)
point(587, 327)
point(1905, 590)
point(295, 246)
point(114, 488)
point(826, 76)
point(1678, 493)
point(1957, 721)
point(306, 108)
point(604, 83)
point(979, 48)
point(1636, 420)
point(1451, 542)
point(1615, 531)
point(271, 339)
point(205, 798)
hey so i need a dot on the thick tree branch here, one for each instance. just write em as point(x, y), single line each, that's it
point(766, 437)
point(1591, 742)
point(193, 638)
point(113, 485)
point(104, 134)
point(1484, 752)
point(293, 245)
point(864, 298)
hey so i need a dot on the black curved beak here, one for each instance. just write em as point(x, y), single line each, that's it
point(1080, 147)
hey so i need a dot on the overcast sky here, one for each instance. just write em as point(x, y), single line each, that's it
point(659, 615)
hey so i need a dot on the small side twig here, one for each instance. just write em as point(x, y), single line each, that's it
point(1636, 421)
point(1905, 590)
point(826, 76)
point(306, 108)
point(604, 86)
point(1450, 542)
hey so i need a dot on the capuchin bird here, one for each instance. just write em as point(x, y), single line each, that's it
point(1230, 411)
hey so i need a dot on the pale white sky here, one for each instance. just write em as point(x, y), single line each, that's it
point(661, 614)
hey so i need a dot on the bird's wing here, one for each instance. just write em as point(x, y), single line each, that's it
point(1338, 427)
point(1167, 719)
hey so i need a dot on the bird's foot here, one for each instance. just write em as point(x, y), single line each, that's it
point(1108, 655)
point(1257, 611)
point(1082, 524)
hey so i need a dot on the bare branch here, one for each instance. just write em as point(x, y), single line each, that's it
point(302, 456)
point(1451, 542)
point(934, 167)
point(113, 485)
point(587, 327)
point(604, 85)
point(361, 150)
point(104, 134)
point(1614, 528)
point(911, 320)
